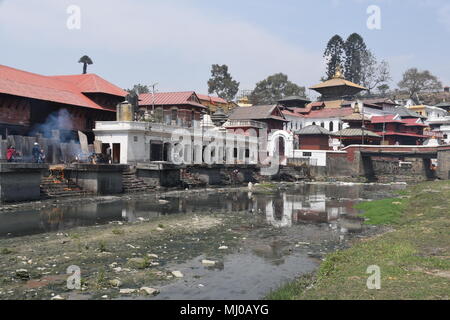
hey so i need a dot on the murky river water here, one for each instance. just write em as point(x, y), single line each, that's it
point(296, 225)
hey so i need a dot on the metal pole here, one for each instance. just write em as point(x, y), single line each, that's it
point(153, 96)
point(362, 128)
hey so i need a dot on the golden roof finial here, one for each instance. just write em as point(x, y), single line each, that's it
point(338, 74)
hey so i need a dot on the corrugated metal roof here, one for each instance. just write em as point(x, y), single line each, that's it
point(31, 85)
point(211, 99)
point(313, 130)
point(170, 98)
point(356, 132)
point(255, 113)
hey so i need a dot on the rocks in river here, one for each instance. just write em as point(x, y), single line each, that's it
point(149, 291)
point(223, 248)
point(115, 283)
point(138, 263)
point(127, 291)
point(153, 256)
point(208, 263)
point(177, 274)
point(58, 297)
point(22, 274)
point(162, 201)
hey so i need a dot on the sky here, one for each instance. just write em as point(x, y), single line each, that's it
point(175, 42)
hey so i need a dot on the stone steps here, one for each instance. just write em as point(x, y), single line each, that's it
point(131, 183)
point(57, 187)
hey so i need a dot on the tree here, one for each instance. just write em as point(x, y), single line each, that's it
point(355, 50)
point(383, 89)
point(373, 74)
point(138, 89)
point(85, 60)
point(275, 88)
point(133, 94)
point(334, 55)
point(221, 83)
point(415, 82)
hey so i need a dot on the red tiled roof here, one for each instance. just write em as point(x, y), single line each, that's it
point(169, 98)
point(413, 123)
point(31, 85)
point(211, 99)
point(387, 118)
point(92, 83)
point(292, 114)
point(330, 113)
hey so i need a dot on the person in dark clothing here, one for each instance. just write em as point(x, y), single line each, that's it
point(36, 152)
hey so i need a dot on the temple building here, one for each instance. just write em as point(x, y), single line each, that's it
point(267, 117)
point(214, 103)
point(336, 90)
point(314, 138)
point(54, 106)
point(182, 109)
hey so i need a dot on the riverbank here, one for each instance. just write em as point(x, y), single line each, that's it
point(123, 245)
point(413, 256)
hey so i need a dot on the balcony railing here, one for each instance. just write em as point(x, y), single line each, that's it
point(245, 123)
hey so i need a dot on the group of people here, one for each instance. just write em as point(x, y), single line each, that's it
point(37, 153)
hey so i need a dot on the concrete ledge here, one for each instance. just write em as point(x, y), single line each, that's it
point(22, 167)
point(97, 178)
point(159, 174)
point(97, 167)
point(21, 181)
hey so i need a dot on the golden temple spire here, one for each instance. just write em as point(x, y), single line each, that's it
point(338, 74)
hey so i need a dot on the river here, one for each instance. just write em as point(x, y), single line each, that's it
point(281, 234)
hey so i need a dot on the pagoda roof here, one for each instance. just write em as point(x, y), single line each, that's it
point(313, 130)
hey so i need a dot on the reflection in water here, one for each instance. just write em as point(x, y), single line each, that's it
point(300, 204)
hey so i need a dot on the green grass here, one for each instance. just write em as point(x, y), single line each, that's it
point(382, 212)
point(414, 258)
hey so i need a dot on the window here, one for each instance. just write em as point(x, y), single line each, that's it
point(174, 114)
point(135, 138)
point(322, 125)
point(307, 154)
point(331, 126)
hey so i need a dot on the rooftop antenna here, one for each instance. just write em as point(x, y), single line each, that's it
point(153, 96)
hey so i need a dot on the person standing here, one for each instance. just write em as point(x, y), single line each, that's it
point(11, 154)
point(36, 152)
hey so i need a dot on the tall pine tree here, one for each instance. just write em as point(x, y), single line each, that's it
point(355, 50)
point(334, 55)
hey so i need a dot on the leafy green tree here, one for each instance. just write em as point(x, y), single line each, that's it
point(275, 88)
point(334, 55)
point(85, 60)
point(139, 89)
point(415, 82)
point(133, 94)
point(355, 51)
point(221, 83)
point(383, 89)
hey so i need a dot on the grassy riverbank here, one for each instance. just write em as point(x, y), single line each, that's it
point(414, 256)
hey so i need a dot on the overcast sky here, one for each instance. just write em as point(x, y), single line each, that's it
point(174, 42)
